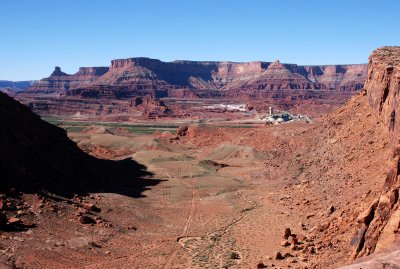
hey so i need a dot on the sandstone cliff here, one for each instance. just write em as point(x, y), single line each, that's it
point(60, 83)
point(135, 75)
point(379, 224)
point(349, 161)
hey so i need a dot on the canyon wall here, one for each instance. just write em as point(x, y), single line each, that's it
point(287, 86)
point(145, 75)
point(60, 83)
point(378, 225)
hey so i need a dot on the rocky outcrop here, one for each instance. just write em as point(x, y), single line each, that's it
point(58, 73)
point(91, 71)
point(382, 86)
point(275, 77)
point(151, 107)
point(141, 76)
point(379, 224)
point(388, 258)
point(61, 83)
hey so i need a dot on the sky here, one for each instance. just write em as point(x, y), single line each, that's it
point(36, 35)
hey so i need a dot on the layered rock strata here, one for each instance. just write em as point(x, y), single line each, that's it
point(61, 83)
point(129, 77)
point(378, 226)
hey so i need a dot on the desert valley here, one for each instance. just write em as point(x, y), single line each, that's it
point(203, 165)
point(199, 134)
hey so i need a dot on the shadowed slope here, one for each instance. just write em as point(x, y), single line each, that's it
point(35, 155)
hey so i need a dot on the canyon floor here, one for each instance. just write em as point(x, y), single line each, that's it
point(218, 197)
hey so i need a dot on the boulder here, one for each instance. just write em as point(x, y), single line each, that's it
point(86, 220)
point(292, 240)
point(330, 210)
point(14, 221)
point(287, 233)
point(278, 256)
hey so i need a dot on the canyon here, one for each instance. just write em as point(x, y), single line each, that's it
point(155, 172)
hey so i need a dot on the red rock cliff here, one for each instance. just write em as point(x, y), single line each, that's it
point(61, 83)
point(143, 74)
point(291, 76)
point(379, 224)
point(383, 85)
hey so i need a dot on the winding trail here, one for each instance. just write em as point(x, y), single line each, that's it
point(188, 222)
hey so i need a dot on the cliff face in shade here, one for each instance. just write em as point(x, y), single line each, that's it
point(143, 74)
point(378, 225)
point(60, 83)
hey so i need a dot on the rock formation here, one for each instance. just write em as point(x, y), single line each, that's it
point(149, 106)
point(278, 76)
point(378, 225)
point(60, 83)
point(287, 86)
point(129, 77)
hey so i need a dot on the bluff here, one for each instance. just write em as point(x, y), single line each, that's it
point(60, 83)
point(128, 77)
point(346, 171)
point(278, 76)
point(379, 224)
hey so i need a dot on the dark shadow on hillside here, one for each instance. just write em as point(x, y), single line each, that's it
point(37, 156)
point(126, 177)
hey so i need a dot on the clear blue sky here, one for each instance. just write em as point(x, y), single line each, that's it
point(36, 35)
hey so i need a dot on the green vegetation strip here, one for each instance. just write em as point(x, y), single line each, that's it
point(78, 126)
